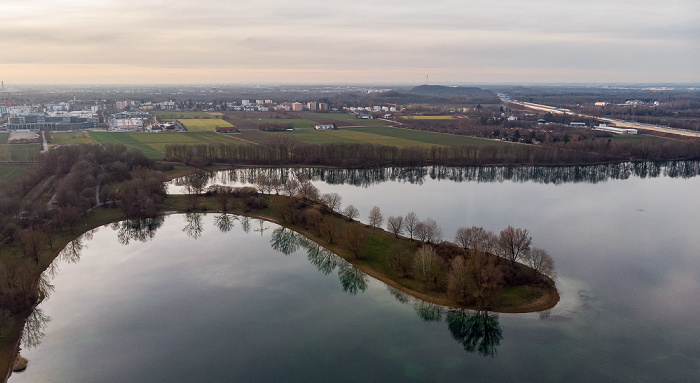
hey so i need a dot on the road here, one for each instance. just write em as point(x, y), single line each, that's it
point(611, 121)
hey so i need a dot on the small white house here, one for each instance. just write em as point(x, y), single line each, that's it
point(325, 127)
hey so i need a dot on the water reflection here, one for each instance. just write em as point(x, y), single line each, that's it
point(478, 331)
point(194, 227)
point(418, 175)
point(224, 222)
point(284, 240)
point(352, 279)
point(141, 230)
point(34, 328)
point(429, 312)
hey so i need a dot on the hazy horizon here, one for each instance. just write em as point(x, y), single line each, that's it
point(78, 42)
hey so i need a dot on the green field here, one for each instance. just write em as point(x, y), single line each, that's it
point(197, 125)
point(635, 138)
point(4, 137)
point(349, 118)
point(153, 144)
point(19, 152)
point(168, 115)
point(427, 118)
point(71, 138)
point(427, 138)
point(297, 122)
point(373, 135)
point(10, 172)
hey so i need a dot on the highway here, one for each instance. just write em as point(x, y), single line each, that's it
point(610, 121)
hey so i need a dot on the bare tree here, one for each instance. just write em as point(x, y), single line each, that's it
point(542, 262)
point(223, 195)
point(291, 187)
point(328, 227)
point(375, 217)
point(514, 244)
point(400, 259)
point(395, 225)
point(332, 201)
point(410, 223)
point(308, 191)
point(433, 231)
point(474, 237)
point(459, 281)
point(354, 239)
point(421, 231)
point(351, 212)
point(487, 276)
point(427, 265)
point(194, 186)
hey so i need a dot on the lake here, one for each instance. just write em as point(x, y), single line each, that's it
point(181, 299)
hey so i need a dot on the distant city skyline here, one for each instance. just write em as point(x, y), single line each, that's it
point(364, 42)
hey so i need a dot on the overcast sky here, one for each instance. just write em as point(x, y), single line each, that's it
point(360, 41)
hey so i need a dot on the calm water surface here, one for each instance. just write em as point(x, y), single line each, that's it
point(190, 302)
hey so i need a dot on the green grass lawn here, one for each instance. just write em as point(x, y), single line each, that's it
point(350, 118)
point(153, 144)
point(71, 138)
point(172, 115)
point(635, 138)
point(10, 172)
point(381, 135)
point(4, 137)
point(428, 117)
point(202, 125)
point(426, 137)
point(297, 122)
point(19, 152)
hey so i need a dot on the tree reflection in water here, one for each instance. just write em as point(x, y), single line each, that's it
point(140, 230)
point(324, 260)
point(194, 227)
point(429, 312)
point(352, 279)
point(245, 224)
point(418, 175)
point(478, 331)
point(224, 222)
point(284, 240)
point(34, 328)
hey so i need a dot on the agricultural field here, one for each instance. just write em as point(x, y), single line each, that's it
point(201, 125)
point(71, 138)
point(172, 115)
point(635, 138)
point(428, 138)
point(19, 152)
point(153, 144)
point(427, 118)
point(349, 119)
point(297, 122)
point(372, 135)
point(11, 172)
point(4, 137)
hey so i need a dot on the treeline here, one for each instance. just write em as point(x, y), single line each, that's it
point(291, 152)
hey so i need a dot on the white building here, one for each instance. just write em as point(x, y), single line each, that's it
point(611, 129)
point(325, 127)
